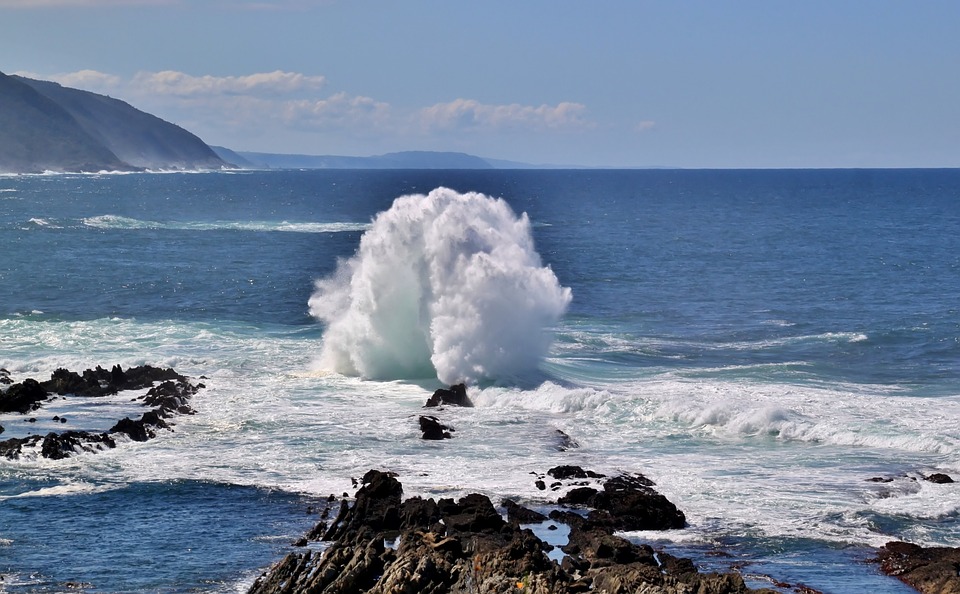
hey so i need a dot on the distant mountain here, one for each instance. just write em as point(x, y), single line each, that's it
point(48, 127)
point(402, 160)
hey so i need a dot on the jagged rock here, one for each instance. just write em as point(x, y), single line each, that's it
point(939, 478)
point(568, 472)
point(433, 429)
point(517, 514)
point(465, 547)
point(5, 377)
point(23, 397)
point(454, 396)
point(627, 502)
point(930, 570)
point(167, 399)
point(58, 446)
point(563, 441)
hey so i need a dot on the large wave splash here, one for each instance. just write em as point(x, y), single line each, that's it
point(446, 284)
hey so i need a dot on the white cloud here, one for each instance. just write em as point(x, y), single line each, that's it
point(89, 79)
point(471, 114)
point(289, 109)
point(338, 109)
point(645, 125)
point(278, 82)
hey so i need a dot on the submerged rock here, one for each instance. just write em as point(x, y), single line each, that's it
point(383, 544)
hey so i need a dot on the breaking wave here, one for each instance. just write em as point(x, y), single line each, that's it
point(119, 222)
point(445, 284)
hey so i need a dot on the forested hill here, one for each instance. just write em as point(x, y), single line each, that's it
point(48, 127)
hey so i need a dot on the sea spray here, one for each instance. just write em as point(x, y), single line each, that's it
point(446, 285)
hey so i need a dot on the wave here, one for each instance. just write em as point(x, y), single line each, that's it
point(120, 222)
point(446, 285)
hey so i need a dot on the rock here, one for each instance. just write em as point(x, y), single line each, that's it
point(627, 502)
point(455, 396)
point(517, 514)
point(465, 547)
point(23, 397)
point(63, 381)
point(167, 399)
point(930, 570)
point(563, 441)
point(568, 472)
point(58, 446)
point(938, 478)
point(5, 377)
point(433, 429)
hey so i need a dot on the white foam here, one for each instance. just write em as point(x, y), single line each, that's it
point(446, 285)
point(120, 222)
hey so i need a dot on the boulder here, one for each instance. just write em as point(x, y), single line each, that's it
point(568, 472)
point(454, 396)
point(939, 478)
point(627, 502)
point(432, 428)
point(23, 397)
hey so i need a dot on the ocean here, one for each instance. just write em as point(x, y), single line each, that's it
point(759, 343)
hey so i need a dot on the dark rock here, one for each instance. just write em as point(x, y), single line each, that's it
point(23, 397)
point(568, 472)
point(564, 442)
point(938, 478)
point(455, 396)
point(540, 485)
point(578, 496)
point(169, 398)
point(63, 381)
point(930, 570)
point(465, 547)
point(880, 479)
point(58, 446)
point(433, 429)
point(517, 514)
point(5, 377)
point(12, 448)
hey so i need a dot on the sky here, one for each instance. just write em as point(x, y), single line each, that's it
point(618, 83)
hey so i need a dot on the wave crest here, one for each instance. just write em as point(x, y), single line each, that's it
point(445, 284)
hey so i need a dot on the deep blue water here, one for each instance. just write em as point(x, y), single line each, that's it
point(818, 292)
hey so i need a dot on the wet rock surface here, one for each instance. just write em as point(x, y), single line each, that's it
point(168, 398)
point(452, 396)
point(930, 570)
point(384, 544)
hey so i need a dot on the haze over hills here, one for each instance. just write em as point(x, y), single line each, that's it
point(48, 127)
point(398, 160)
point(45, 126)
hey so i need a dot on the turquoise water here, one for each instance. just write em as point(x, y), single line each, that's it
point(758, 342)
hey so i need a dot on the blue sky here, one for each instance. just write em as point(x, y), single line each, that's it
point(616, 83)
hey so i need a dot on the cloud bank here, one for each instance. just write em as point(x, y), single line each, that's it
point(222, 109)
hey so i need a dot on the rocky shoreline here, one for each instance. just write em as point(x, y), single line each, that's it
point(168, 395)
point(384, 544)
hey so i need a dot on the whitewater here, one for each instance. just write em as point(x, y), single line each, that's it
point(760, 344)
